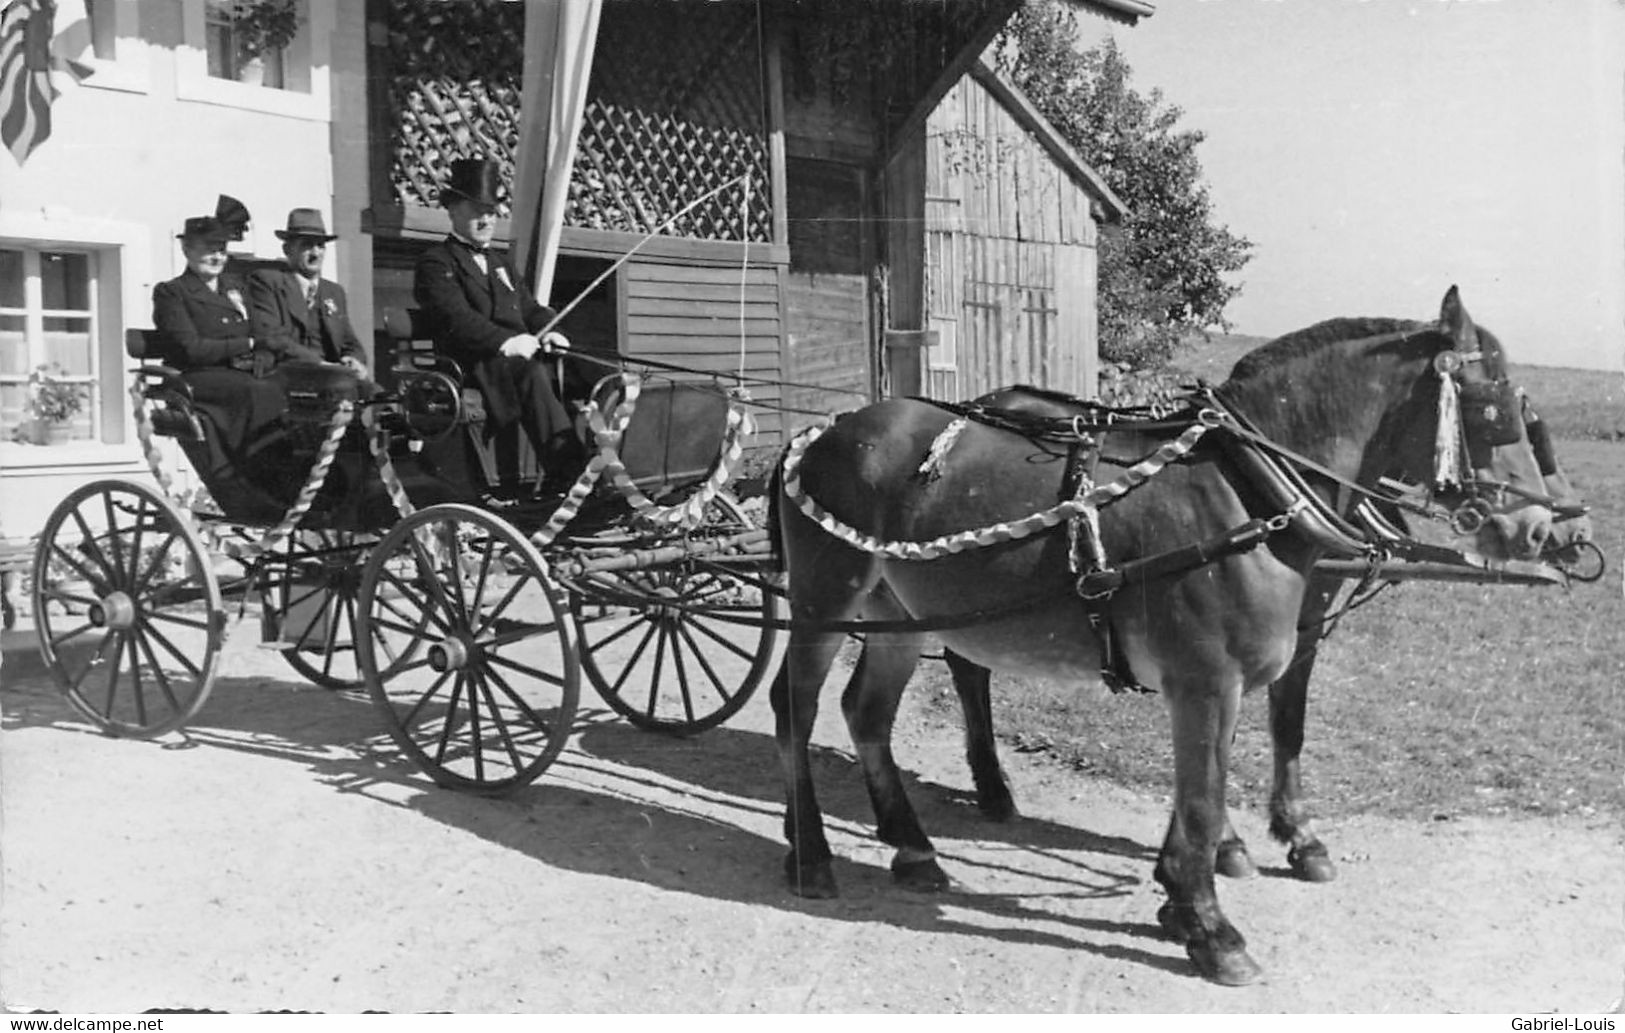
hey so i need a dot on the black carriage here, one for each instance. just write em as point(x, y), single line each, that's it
point(391, 543)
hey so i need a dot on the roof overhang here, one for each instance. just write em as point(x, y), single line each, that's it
point(1064, 154)
point(1128, 12)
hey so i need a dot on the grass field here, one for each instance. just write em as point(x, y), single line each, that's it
point(1436, 700)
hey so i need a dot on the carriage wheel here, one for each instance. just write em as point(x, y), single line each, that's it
point(489, 700)
point(310, 598)
point(677, 649)
point(127, 608)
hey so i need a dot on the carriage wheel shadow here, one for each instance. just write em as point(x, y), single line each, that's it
point(627, 804)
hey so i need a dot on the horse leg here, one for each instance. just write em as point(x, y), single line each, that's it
point(1289, 698)
point(1203, 721)
point(870, 707)
point(971, 682)
point(1232, 859)
point(794, 696)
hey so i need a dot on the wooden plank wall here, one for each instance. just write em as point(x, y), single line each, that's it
point(828, 343)
point(702, 316)
point(1013, 230)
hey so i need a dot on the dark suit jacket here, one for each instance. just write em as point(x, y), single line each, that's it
point(469, 314)
point(289, 328)
point(205, 335)
point(198, 327)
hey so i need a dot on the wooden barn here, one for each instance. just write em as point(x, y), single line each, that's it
point(1012, 216)
point(801, 274)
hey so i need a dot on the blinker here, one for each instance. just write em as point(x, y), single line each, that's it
point(1490, 413)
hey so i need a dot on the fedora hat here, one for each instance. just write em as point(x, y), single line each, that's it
point(476, 179)
point(306, 222)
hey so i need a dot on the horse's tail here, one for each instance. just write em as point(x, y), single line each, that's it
point(775, 533)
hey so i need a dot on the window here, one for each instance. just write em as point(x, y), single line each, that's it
point(48, 303)
point(270, 56)
point(247, 40)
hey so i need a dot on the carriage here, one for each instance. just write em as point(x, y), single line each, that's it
point(391, 544)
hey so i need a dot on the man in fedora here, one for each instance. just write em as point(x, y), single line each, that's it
point(298, 316)
point(479, 313)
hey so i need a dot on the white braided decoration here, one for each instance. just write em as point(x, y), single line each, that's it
point(607, 430)
point(246, 552)
point(377, 445)
point(981, 537)
point(572, 503)
point(249, 551)
point(151, 451)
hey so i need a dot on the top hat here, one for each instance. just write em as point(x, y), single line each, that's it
point(475, 179)
point(229, 221)
point(306, 223)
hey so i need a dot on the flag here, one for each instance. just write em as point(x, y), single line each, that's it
point(559, 42)
point(26, 89)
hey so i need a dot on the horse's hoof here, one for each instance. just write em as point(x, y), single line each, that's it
point(1175, 921)
point(1226, 967)
point(998, 806)
point(1311, 863)
point(919, 876)
point(1233, 861)
point(815, 881)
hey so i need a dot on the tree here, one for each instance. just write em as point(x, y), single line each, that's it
point(1162, 271)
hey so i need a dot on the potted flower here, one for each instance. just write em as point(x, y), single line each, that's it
point(260, 28)
point(52, 403)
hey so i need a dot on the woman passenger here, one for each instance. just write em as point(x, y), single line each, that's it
point(203, 330)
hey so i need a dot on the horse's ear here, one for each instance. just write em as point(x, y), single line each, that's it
point(1456, 323)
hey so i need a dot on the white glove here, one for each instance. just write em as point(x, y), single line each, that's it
point(520, 345)
point(553, 341)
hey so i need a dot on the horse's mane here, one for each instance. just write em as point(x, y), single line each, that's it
point(1302, 343)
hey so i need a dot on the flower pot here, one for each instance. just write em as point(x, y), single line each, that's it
point(50, 432)
point(251, 72)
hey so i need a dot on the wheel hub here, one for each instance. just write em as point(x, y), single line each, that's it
point(451, 654)
point(116, 610)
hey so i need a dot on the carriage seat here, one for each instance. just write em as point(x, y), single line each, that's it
point(169, 398)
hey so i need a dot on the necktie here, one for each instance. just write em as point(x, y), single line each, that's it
point(310, 294)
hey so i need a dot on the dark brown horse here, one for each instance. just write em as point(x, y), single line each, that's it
point(902, 513)
point(1326, 595)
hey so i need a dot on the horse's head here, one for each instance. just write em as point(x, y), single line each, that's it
point(1480, 459)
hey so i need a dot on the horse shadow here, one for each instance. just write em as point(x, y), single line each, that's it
point(647, 808)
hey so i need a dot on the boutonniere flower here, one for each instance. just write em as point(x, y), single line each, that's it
point(502, 275)
point(330, 306)
point(235, 296)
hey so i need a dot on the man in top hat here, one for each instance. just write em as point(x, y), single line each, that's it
point(479, 313)
point(297, 315)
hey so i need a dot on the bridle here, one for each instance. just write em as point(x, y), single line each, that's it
point(1476, 417)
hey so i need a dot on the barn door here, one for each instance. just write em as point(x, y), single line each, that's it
point(944, 295)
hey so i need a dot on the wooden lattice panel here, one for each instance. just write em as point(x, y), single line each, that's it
point(674, 110)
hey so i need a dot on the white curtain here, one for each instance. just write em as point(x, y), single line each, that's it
point(559, 38)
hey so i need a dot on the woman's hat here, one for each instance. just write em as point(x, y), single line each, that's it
point(306, 222)
point(229, 221)
point(476, 179)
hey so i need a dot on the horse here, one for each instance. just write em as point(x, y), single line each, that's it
point(1190, 567)
point(1327, 594)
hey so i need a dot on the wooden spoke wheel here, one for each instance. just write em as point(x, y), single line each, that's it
point(489, 698)
point(677, 649)
point(127, 608)
point(309, 601)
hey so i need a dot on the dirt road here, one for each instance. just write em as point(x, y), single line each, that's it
point(281, 855)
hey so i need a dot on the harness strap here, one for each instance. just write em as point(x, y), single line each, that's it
point(1102, 583)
